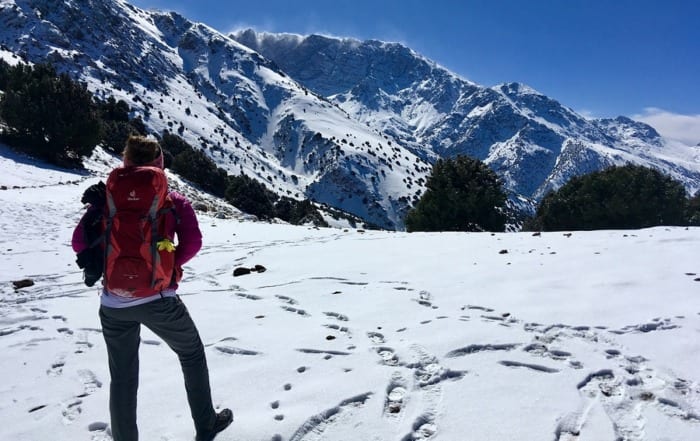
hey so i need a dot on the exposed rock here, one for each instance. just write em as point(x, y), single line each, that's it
point(24, 283)
point(241, 271)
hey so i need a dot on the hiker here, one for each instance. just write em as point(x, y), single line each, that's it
point(127, 303)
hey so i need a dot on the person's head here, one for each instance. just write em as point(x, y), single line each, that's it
point(140, 150)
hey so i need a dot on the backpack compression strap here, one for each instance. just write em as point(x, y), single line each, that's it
point(153, 216)
point(153, 213)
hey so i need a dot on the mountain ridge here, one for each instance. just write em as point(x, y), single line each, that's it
point(494, 124)
point(349, 123)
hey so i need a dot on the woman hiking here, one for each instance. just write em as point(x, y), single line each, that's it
point(141, 270)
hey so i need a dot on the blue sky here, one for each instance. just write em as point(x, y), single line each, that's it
point(602, 58)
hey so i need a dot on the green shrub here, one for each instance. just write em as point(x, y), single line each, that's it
point(48, 115)
point(198, 168)
point(693, 210)
point(298, 212)
point(627, 197)
point(463, 194)
point(251, 196)
point(116, 124)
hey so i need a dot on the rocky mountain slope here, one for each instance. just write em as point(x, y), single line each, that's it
point(351, 124)
point(248, 114)
point(534, 142)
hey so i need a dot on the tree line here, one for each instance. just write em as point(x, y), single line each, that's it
point(52, 117)
point(464, 194)
point(242, 191)
point(48, 115)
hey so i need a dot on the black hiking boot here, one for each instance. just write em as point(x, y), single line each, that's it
point(223, 420)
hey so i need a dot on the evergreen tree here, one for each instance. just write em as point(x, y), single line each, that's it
point(116, 125)
point(251, 196)
point(49, 115)
point(631, 196)
point(463, 194)
point(197, 167)
point(4, 74)
point(298, 212)
point(693, 210)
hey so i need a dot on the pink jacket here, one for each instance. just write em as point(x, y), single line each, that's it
point(189, 238)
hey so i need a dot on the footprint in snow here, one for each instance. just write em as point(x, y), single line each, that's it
point(248, 296)
point(479, 308)
point(297, 311)
point(97, 426)
point(396, 396)
point(71, 410)
point(338, 328)
point(388, 356)
point(376, 338)
point(230, 350)
point(56, 369)
point(337, 316)
point(424, 299)
point(317, 424)
point(89, 380)
point(286, 299)
point(534, 367)
point(424, 428)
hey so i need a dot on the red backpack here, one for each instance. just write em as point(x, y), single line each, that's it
point(139, 256)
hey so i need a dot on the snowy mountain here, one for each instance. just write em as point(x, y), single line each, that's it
point(533, 142)
point(361, 336)
point(348, 123)
point(249, 116)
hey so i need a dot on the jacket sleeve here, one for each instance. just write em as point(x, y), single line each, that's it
point(78, 241)
point(189, 238)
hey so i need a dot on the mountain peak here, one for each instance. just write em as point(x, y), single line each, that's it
point(513, 88)
point(350, 123)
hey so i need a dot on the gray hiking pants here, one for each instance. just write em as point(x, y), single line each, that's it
point(169, 319)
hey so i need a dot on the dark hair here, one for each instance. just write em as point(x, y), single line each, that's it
point(140, 150)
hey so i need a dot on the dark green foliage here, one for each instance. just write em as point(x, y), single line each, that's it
point(251, 196)
point(174, 144)
point(48, 115)
point(462, 194)
point(113, 110)
point(628, 197)
point(4, 74)
point(116, 124)
point(244, 192)
point(138, 125)
point(298, 212)
point(198, 168)
point(693, 210)
point(114, 135)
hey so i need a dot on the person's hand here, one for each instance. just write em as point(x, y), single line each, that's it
point(90, 261)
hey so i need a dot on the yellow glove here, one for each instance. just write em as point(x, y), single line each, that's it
point(166, 245)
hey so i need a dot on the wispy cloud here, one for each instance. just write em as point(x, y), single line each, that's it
point(588, 114)
point(684, 128)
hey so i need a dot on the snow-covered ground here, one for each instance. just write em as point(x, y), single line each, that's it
point(353, 335)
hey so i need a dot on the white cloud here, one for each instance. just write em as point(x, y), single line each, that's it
point(588, 114)
point(683, 128)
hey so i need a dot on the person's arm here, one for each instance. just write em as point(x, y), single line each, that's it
point(95, 197)
point(189, 238)
point(78, 241)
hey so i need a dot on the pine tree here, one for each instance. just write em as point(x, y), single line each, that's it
point(251, 196)
point(630, 196)
point(49, 115)
point(463, 194)
point(693, 210)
